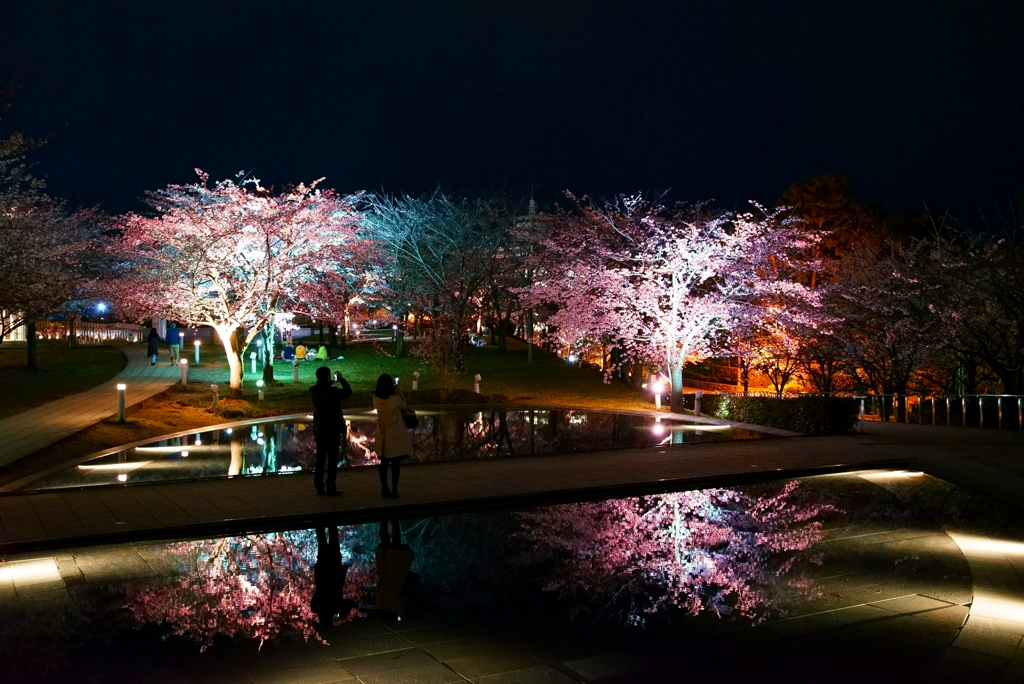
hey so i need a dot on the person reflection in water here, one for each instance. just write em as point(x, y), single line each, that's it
point(395, 582)
point(329, 579)
point(328, 426)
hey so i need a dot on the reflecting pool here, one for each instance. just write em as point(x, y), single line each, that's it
point(288, 446)
point(863, 576)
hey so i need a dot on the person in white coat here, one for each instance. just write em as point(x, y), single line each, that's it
point(393, 442)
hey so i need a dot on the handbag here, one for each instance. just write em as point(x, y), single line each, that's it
point(411, 421)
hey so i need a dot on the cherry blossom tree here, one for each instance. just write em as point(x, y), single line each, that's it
point(667, 286)
point(228, 255)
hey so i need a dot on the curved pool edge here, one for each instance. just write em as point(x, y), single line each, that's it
point(18, 486)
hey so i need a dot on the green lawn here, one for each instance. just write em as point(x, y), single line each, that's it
point(62, 371)
point(548, 381)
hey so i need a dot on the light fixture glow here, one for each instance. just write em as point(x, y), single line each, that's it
point(36, 570)
point(123, 477)
point(121, 387)
point(115, 466)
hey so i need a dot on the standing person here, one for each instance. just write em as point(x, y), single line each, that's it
point(328, 426)
point(393, 442)
point(329, 579)
point(174, 340)
point(153, 345)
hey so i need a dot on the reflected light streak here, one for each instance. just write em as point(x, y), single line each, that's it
point(886, 475)
point(115, 466)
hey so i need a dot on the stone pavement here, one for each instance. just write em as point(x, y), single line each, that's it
point(29, 431)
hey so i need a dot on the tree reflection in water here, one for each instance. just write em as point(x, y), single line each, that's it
point(254, 587)
point(715, 550)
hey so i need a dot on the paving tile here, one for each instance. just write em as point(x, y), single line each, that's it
point(483, 665)
point(432, 673)
point(349, 647)
point(319, 673)
point(541, 674)
point(607, 665)
point(855, 614)
point(386, 662)
point(910, 604)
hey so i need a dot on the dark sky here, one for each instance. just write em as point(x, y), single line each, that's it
point(920, 101)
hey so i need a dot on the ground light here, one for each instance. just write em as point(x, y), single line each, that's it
point(184, 372)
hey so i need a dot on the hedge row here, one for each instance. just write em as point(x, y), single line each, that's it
point(811, 415)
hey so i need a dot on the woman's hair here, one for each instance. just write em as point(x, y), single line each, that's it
point(385, 386)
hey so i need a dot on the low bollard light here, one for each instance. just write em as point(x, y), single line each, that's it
point(121, 387)
point(259, 386)
point(253, 357)
point(415, 381)
point(196, 343)
point(657, 387)
point(184, 372)
point(476, 384)
point(215, 390)
point(696, 403)
point(295, 370)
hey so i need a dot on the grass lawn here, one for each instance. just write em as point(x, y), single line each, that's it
point(548, 381)
point(62, 371)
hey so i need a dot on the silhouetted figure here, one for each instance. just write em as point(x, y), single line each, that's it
point(152, 345)
point(392, 441)
point(329, 579)
point(328, 426)
point(395, 582)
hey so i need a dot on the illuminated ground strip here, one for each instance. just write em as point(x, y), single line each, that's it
point(995, 624)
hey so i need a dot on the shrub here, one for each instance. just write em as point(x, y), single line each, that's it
point(811, 415)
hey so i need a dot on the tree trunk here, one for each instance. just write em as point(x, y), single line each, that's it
point(332, 334)
point(30, 343)
point(321, 333)
point(528, 336)
point(229, 340)
point(268, 354)
point(400, 343)
point(676, 397)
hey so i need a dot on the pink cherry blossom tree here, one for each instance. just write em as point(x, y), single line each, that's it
point(228, 255)
point(667, 286)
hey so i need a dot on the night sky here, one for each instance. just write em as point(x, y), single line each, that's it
point(919, 101)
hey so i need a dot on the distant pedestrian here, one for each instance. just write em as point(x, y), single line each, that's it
point(174, 340)
point(152, 345)
point(393, 442)
point(329, 427)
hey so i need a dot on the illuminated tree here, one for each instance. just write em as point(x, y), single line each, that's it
point(229, 255)
point(666, 287)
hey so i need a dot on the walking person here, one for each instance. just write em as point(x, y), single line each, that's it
point(153, 345)
point(174, 340)
point(393, 443)
point(329, 427)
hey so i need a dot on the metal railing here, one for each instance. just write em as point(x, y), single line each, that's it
point(999, 411)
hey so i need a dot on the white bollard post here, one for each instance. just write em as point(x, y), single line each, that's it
point(657, 387)
point(184, 372)
point(295, 370)
point(121, 387)
point(415, 381)
point(862, 414)
point(259, 386)
point(476, 384)
point(696, 403)
point(252, 356)
point(999, 403)
point(948, 419)
point(216, 395)
point(196, 343)
point(981, 413)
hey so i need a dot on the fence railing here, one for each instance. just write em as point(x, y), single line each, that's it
point(999, 411)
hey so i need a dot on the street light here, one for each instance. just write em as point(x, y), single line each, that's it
point(657, 387)
point(121, 387)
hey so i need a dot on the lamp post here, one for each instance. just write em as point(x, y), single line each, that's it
point(657, 387)
point(295, 370)
point(415, 381)
point(184, 372)
point(259, 386)
point(216, 394)
point(196, 343)
point(121, 387)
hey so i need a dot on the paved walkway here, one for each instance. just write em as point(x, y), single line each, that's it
point(203, 508)
point(29, 431)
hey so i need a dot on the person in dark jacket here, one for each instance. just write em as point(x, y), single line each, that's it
point(328, 426)
point(153, 346)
